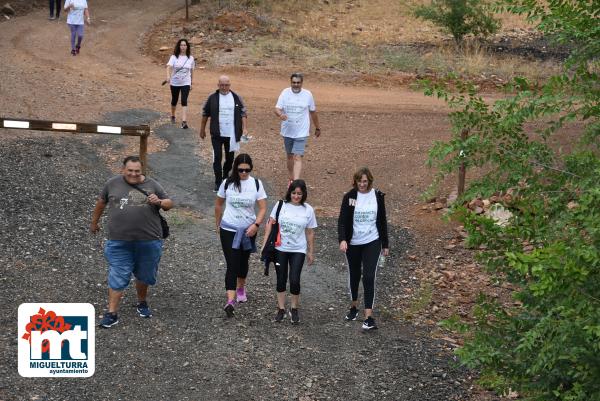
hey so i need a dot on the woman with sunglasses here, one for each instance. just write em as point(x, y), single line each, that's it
point(237, 225)
point(296, 227)
point(180, 70)
point(363, 237)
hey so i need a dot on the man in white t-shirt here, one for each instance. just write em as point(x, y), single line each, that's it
point(228, 122)
point(295, 108)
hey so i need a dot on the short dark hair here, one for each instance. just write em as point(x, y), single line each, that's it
point(178, 50)
point(297, 75)
point(293, 185)
point(134, 159)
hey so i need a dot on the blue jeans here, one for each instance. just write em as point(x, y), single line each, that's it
point(126, 257)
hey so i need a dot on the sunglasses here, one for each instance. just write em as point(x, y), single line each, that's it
point(244, 170)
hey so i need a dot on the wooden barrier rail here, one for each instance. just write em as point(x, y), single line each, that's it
point(143, 131)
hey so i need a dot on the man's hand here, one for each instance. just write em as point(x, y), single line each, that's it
point(311, 258)
point(283, 117)
point(317, 132)
point(154, 200)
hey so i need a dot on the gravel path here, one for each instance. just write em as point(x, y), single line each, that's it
point(189, 350)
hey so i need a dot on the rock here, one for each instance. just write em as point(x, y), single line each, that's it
point(8, 10)
point(164, 48)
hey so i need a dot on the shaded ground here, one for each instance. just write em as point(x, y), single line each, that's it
point(188, 351)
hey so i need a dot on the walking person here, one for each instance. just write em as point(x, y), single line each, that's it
point(134, 244)
point(54, 5)
point(78, 15)
point(237, 225)
point(295, 108)
point(297, 222)
point(363, 236)
point(228, 122)
point(180, 73)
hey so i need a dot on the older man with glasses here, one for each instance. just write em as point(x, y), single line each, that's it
point(295, 108)
point(228, 122)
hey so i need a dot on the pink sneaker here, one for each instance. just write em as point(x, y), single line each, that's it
point(241, 295)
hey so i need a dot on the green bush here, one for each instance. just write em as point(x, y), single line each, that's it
point(460, 17)
point(545, 344)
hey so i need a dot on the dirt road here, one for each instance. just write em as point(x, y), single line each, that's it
point(189, 351)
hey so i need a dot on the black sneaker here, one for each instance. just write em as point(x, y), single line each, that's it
point(294, 316)
point(352, 315)
point(109, 320)
point(369, 324)
point(144, 310)
point(280, 315)
point(184, 125)
point(229, 309)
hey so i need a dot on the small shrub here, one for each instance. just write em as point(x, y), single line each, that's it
point(460, 17)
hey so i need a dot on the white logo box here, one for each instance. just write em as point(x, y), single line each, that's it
point(60, 340)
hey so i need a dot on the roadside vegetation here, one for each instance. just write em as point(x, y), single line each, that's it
point(545, 344)
point(373, 41)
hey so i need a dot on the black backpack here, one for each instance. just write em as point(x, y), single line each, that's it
point(269, 253)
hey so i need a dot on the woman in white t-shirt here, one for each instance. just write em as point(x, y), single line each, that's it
point(237, 225)
point(78, 15)
point(296, 228)
point(363, 237)
point(180, 69)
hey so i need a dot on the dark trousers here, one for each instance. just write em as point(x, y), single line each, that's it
point(185, 92)
point(219, 145)
point(53, 3)
point(289, 263)
point(362, 260)
point(236, 260)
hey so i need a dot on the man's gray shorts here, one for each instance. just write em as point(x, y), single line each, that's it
point(294, 146)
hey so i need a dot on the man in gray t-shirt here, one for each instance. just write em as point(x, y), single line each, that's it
point(134, 244)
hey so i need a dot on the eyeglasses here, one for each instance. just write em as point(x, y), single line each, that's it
point(244, 170)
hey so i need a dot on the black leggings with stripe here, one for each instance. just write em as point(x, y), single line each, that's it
point(362, 260)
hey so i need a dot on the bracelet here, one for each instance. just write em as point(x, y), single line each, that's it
point(257, 225)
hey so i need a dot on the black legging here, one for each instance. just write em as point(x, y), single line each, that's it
point(236, 259)
point(52, 3)
point(221, 172)
point(293, 260)
point(185, 91)
point(366, 255)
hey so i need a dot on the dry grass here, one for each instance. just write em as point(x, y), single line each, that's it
point(373, 37)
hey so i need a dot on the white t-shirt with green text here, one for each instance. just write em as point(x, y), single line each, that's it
point(239, 205)
point(293, 221)
point(365, 219)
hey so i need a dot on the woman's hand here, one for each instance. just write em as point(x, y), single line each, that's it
point(311, 258)
point(386, 251)
point(343, 246)
point(251, 231)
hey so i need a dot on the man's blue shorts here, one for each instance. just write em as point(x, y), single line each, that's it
point(294, 146)
point(126, 257)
